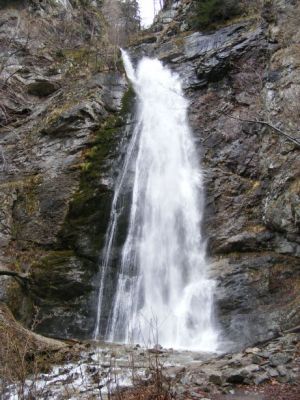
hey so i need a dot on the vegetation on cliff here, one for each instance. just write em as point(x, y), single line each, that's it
point(62, 120)
point(207, 13)
point(62, 66)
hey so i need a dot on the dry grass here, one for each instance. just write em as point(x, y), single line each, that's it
point(22, 354)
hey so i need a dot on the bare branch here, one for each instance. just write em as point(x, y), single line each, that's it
point(254, 121)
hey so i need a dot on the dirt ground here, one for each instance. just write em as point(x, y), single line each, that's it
point(267, 391)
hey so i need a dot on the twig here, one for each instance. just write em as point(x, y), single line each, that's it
point(254, 121)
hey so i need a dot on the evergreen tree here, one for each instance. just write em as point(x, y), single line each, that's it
point(131, 16)
point(209, 12)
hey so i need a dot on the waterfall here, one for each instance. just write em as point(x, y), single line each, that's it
point(163, 293)
point(65, 3)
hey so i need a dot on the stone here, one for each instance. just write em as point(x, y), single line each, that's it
point(184, 27)
point(235, 377)
point(180, 389)
point(199, 381)
point(272, 372)
point(174, 372)
point(279, 358)
point(261, 378)
point(196, 395)
point(248, 370)
point(282, 370)
point(77, 118)
point(284, 379)
point(244, 98)
point(265, 354)
point(252, 350)
point(216, 379)
point(167, 16)
point(256, 359)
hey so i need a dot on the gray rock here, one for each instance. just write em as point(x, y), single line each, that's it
point(282, 370)
point(216, 379)
point(235, 377)
point(195, 395)
point(272, 372)
point(82, 116)
point(256, 359)
point(252, 350)
point(167, 16)
point(244, 98)
point(180, 390)
point(174, 372)
point(284, 379)
point(261, 379)
point(248, 370)
point(279, 358)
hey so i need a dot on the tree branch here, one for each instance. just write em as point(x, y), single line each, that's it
point(254, 121)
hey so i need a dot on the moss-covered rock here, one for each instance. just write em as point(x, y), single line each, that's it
point(65, 280)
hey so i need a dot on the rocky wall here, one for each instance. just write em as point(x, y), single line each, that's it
point(62, 133)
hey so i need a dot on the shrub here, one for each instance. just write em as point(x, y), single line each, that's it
point(12, 3)
point(207, 13)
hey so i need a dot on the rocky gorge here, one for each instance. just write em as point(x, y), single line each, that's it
point(65, 115)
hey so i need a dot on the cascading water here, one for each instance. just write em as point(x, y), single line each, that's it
point(64, 3)
point(163, 294)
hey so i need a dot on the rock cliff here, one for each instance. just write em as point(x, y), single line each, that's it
point(63, 136)
point(60, 115)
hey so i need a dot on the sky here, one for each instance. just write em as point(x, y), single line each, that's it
point(147, 11)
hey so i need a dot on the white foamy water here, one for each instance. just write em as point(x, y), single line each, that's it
point(64, 3)
point(163, 293)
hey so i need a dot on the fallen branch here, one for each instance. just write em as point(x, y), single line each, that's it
point(254, 121)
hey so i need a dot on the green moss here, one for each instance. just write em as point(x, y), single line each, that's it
point(85, 226)
point(54, 258)
point(56, 113)
point(91, 167)
point(77, 55)
point(127, 102)
point(61, 276)
point(85, 199)
point(27, 201)
point(105, 139)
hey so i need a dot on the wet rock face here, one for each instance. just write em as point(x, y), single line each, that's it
point(61, 147)
point(234, 77)
point(65, 208)
point(59, 151)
